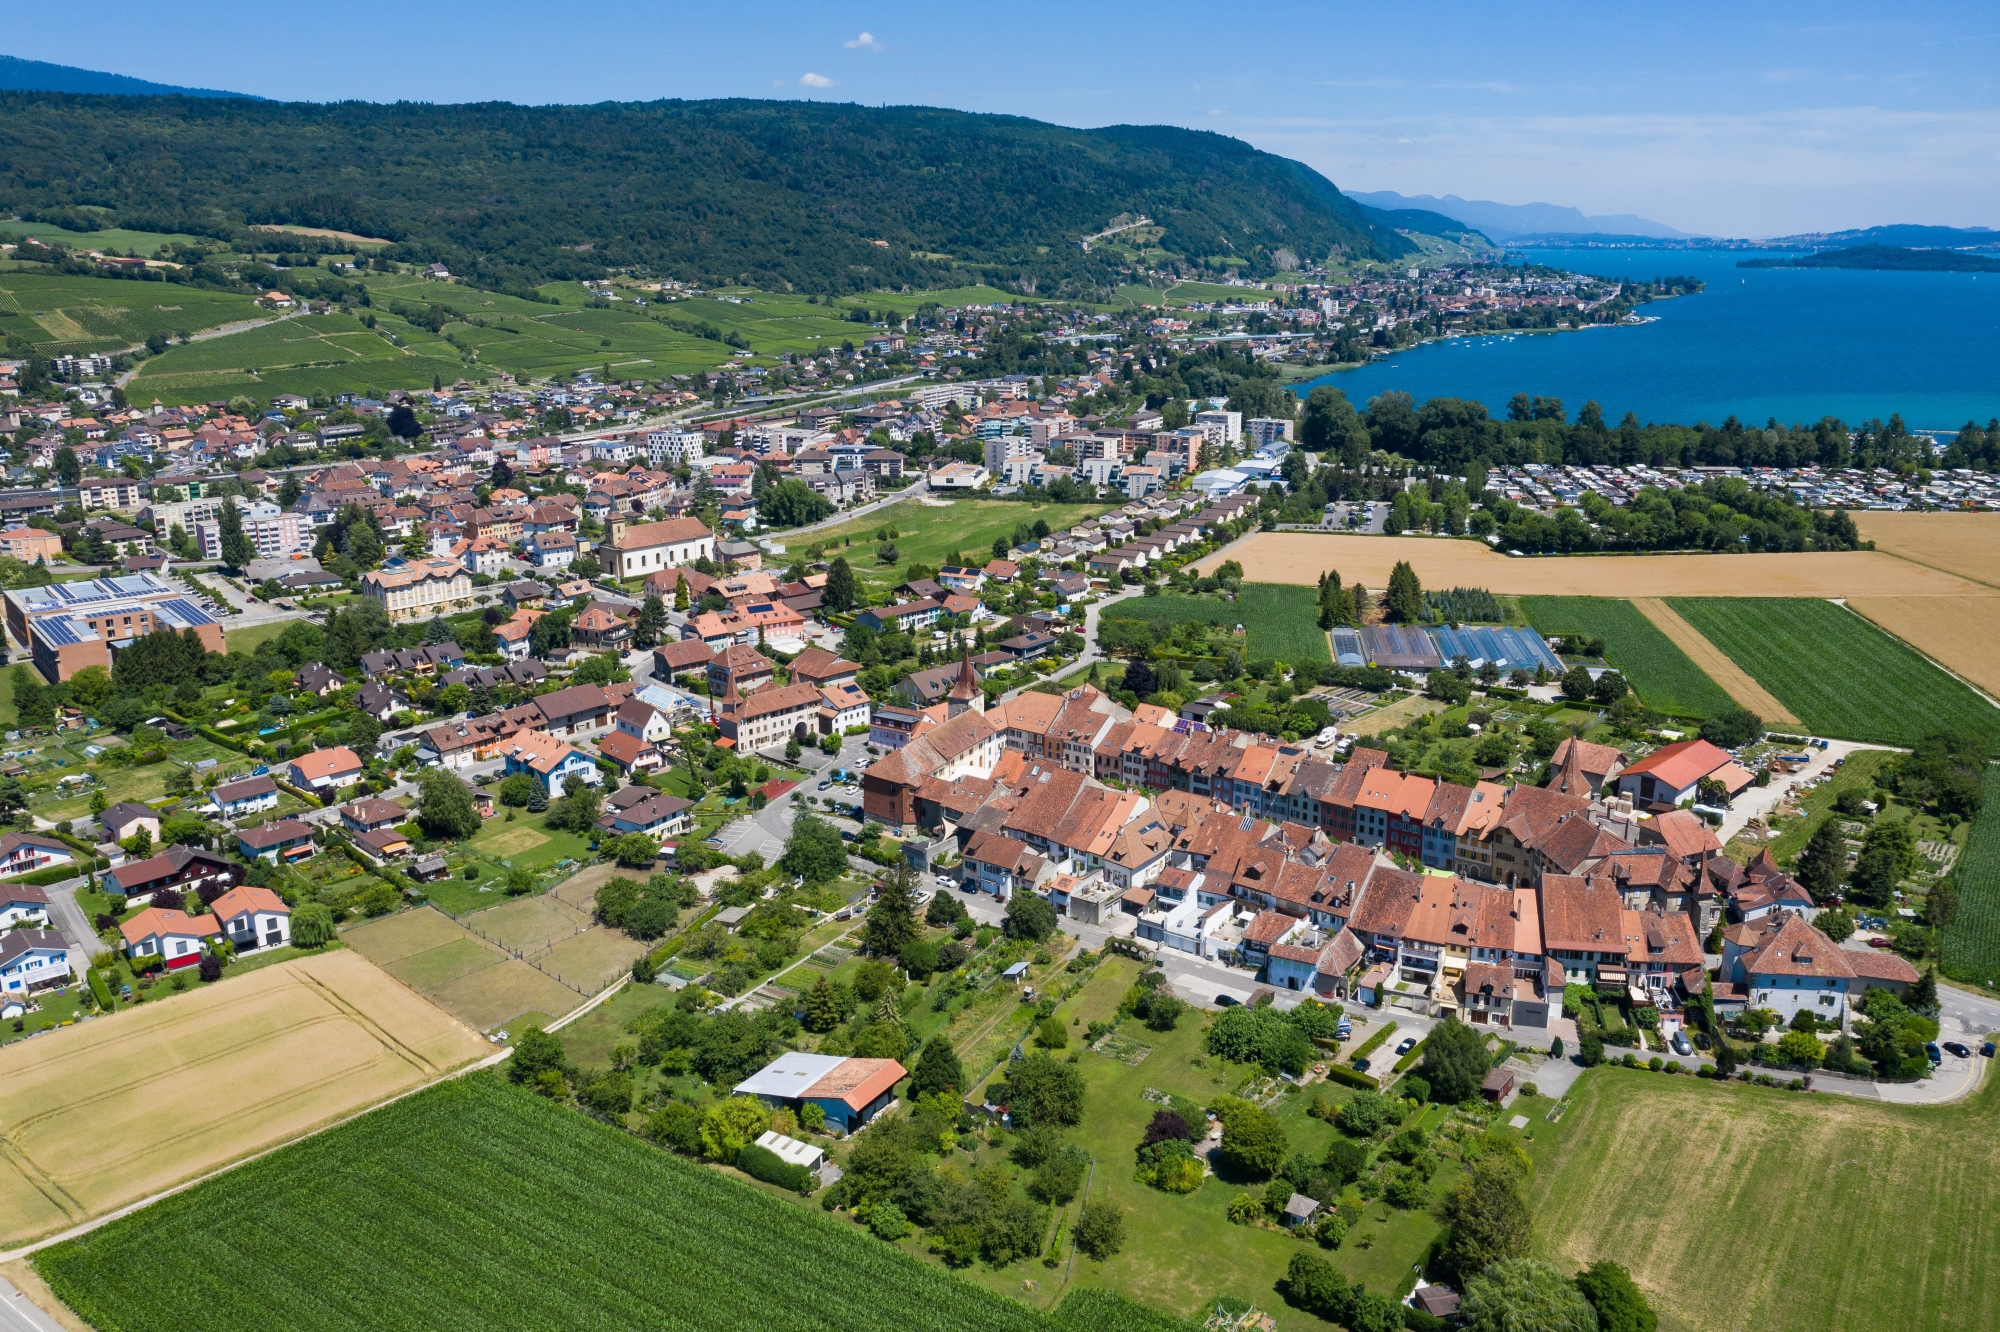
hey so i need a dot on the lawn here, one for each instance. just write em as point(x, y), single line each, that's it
point(1769, 1210)
point(1661, 673)
point(1280, 622)
point(1838, 673)
point(248, 638)
point(112, 240)
point(78, 314)
point(484, 1206)
point(1971, 944)
point(928, 534)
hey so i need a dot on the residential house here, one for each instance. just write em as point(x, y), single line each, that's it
point(23, 904)
point(30, 960)
point(325, 769)
point(849, 1091)
point(174, 936)
point(245, 796)
point(285, 841)
point(553, 764)
point(123, 819)
point(657, 814)
point(174, 871)
point(1670, 775)
point(25, 853)
point(372, 814)
point(251, 917)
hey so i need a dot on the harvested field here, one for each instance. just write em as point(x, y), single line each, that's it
point(1794, 1214)
point(1959, 633)
point(471, 978)
point(1967, 544)
point(528, 926)
point(98, 1115)
point(1300, 558)
point(1838, 673)
point(1709, 659)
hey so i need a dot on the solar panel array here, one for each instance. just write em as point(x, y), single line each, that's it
point(1506, 647)
point(180, 613)
point(63, 631)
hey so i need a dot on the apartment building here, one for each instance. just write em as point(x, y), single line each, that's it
point(420, 589)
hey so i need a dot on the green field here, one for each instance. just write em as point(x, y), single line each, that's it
point(929, 533)
point(474, 1204)
point(146, 244)
point(1838, 673)
point(1748, 1208)
point(310, 354)
point(1971, 944)
point(1661, 673)
point(1280, 621)
point(79, 314)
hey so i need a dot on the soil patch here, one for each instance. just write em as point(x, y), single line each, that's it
point(1733, 678)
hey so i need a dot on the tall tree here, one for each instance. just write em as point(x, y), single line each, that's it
point(840, 593)
point(892, 921)
point(445, 807)
point(938, 1069)
point(1406, 594)
point(1454, 1061)
point(1619, 1304)
point(651, 621)
point(1824, 861)
point(237, 547)
point(1489, 1221)
point(68, 470)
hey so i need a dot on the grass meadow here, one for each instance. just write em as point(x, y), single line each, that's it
point(929, 533)
point(1774, 1211)
point(1662, 674)
point(145, 244)
point(1971, 944)
point(1837, 672)
point(1279, 621)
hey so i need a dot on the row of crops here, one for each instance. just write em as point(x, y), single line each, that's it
point(1971, 945)
point(476, 1204)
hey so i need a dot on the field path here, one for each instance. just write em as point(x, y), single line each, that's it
point(1735, 681)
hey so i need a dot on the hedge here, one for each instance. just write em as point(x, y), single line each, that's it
point(53, 874)
point(765, 1164)
point(1374, 1042)
point(1349, 1077)
point(100, 990)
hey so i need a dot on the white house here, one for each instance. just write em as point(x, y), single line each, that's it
point(24, 853)
point(249, 795)
point(551, 550)
point(253, 917)
point(551, 762)
point(31, 960)
point(173, 935)
point(22, 904)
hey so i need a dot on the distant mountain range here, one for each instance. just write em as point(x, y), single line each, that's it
point(1505, 222)
point(18, 75)
point(1904, 236)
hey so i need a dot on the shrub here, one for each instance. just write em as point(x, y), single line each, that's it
point(765, 1164)
point(1100, 1230)
point(1245, 1210)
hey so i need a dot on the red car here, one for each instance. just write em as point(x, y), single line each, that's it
point(1880, 943)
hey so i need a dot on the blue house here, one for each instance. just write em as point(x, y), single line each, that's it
point(31, 960)
point(849, 1091)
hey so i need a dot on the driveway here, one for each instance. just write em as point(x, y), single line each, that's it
point(1758, 801)
point(70, 922)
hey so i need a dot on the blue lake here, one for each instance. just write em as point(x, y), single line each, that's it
point(1793, 344)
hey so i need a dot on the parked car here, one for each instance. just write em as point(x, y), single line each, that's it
point(1936, 1057)
point(1344, 1030)
point(1880, 943)
point(1958, 1049)
point(1701, 1040)
point(1226, 1001)
point(1681, 1044)
point(1987, 1049)
point(1407, 1044)
point(1361, 1066)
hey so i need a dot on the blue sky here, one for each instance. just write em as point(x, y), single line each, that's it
point(1736, 119)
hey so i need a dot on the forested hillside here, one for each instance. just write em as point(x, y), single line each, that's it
point(809, 196)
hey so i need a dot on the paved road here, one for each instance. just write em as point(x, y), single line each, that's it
point(20, 1314)
point(69, 919)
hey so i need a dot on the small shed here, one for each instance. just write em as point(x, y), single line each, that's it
point(1300, 1210)
point(730, 917)
point(792, 1151)
point(1437, 1301)
point(1498, 1084)
point(1016, 973)
point(429, 868)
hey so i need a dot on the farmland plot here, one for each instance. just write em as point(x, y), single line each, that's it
point(1971, 944)
point(95, 1116)
point(475, 1204)
point(1663, 674)
point(1279, 622)
point(1839, 674)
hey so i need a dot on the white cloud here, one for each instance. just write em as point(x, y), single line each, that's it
point(865, 42)
point(811, 80)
